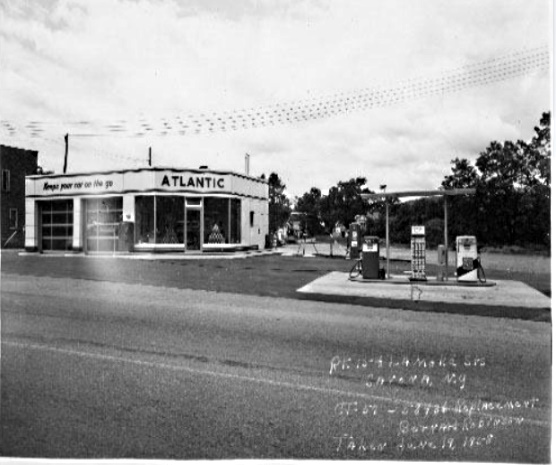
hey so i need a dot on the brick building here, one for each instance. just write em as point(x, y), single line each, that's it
point(15, 164)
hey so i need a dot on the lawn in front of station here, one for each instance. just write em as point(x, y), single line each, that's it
point(264, 275)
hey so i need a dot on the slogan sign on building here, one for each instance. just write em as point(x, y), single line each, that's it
point(118, 183)
point(202, 182)
point(75, 185)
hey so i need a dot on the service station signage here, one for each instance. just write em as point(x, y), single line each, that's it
point(190, 181)
point(75, 185)
point(165, 180)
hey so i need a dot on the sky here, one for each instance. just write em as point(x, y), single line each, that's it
point(180, 77)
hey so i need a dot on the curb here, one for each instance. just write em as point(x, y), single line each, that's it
point(542, 315)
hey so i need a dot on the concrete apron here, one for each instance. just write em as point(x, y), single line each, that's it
point(502, 293)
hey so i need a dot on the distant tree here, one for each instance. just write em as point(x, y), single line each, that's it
point(344, 202)
point(414, 213)
point(434, 229)
point(309, 203)
point(535, 202)
point(501, 175)
point(540, 150)
point(463, 175)
point(279, 209)
point(328, 208)
point(512, 202)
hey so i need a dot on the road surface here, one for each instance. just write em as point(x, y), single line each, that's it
point(107, 370)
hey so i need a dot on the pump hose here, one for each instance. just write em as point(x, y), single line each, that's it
point(355, 270)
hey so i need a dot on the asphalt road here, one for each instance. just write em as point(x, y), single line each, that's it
point(95, 369)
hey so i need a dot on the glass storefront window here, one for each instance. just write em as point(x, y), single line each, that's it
point(169, 220)
point(235, 221)
point(193, 201)
point(217, 227)
point(159, 220)
point(103, 220)
point(144, 219)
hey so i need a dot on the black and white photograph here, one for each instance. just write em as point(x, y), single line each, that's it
point(276, 230)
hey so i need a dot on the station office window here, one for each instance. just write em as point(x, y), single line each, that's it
point(251, 218)
point(5, 180)
point(145, 215)
point(217, 225)
point(222, 221)
point(169, 219)
point(159, 219)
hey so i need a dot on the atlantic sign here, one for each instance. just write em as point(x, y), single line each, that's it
point(196, 182)
point(203, 182)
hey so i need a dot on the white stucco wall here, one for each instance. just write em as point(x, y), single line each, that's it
point(77, 241)
point(254, 235)
point(30, 224)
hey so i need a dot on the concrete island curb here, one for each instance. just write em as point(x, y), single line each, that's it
point(506, 299)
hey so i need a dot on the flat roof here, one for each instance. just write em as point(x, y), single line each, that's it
point(157, 168)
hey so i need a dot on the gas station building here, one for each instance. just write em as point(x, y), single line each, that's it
point(146, 210)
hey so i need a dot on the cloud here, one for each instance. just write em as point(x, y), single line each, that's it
point(108, 60)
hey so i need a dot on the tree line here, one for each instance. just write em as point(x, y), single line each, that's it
point(511, 205)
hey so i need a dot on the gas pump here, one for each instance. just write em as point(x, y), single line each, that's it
point(418, 254)
point(354, 240)
point(370, 265)
point(467, 258)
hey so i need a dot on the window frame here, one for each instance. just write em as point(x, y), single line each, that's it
point(6, 180)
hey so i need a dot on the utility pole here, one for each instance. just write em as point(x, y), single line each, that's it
point(446, 234)
point(387, 238)
point(66, 137)
point(150, 156)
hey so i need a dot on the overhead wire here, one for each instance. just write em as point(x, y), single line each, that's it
point(464, 77)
